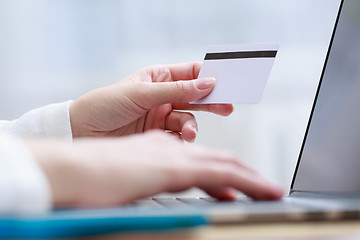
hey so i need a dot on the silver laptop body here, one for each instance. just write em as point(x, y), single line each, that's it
point(326, 182)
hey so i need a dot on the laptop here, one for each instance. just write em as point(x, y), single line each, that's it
point(325, 186)
point(326, 182)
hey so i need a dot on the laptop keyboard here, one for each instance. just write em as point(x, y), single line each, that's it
point(244, 209)
point(286, 204)
point(206, 202)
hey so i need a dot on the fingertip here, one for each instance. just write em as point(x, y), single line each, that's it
point(229, 194)
point(223, 194)
point(222, 109)
point(228, 109)
point(194, 132)
point(277, 191)
point(272, 192)
point(189, 134)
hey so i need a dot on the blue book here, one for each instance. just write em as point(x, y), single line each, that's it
point(66, 223)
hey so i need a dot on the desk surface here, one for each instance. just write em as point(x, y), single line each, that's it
point(314, 230)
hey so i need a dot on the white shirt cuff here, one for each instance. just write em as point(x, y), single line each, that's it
point(24, 189)
point(52, 121)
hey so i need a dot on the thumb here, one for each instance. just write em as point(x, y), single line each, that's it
point(181, 91)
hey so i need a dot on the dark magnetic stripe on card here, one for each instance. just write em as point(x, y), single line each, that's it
point(236, 55)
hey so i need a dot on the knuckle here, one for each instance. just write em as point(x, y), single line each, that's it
point(179, 179)
point(232, 157)
point(179, 85)
point(160, 73)
point(228, 156)
point(179, 172)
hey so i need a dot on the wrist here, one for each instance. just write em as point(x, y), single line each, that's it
point(74, 120)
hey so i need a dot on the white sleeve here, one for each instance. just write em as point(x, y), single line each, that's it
point(24, 188)
point(50, 121)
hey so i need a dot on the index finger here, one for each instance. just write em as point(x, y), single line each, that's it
point(219, 109)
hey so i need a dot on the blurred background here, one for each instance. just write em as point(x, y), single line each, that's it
point(52, 51)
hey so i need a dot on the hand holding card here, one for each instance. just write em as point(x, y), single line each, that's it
point(241, 72)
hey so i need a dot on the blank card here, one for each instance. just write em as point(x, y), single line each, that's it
point(241, 72)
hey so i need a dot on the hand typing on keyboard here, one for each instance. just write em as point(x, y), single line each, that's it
point(116, 171)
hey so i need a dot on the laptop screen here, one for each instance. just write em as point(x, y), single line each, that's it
point(330, 157)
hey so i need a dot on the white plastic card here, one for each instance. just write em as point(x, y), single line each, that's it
point(241, 72)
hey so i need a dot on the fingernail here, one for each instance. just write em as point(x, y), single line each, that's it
point(195, 133)
point(194, 130)
point(232, 194)
point(204, 83)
